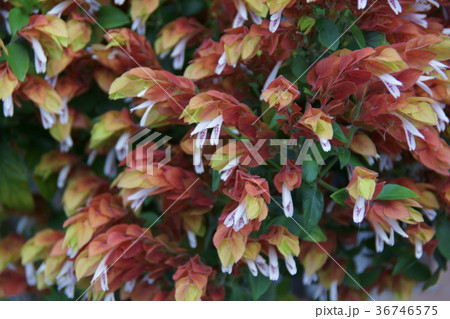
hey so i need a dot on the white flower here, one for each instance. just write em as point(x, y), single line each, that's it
point(109, 297)
point(334, 291)
point(228, 169)
point(326, 145)
point(430, 213)
point(66, 144)
point(59, 8)
point(275, 20)
point(410, 132)
point(425, 87)
point(93, 6)
point(272, 76)
point(442, 118)
point(362, 4)
point(380, 237)
point(62, 176)
point(256, 18)
point(274, 272)
point(395, 6)
point(139, 26)
point(30, 274)
point(178, 53)
point(101, 272)
point(252, 266)
point(66, 279)
point(8, 106)
point(288, 205)
point(192, 239)
point(110, 164)
point(197, 159)
point(203, 126)
point(359, 209)
point(418, 244)
point(241, 15)
point(221, 63)
point(290, 264)
point(129, 285)
point(48, 119)
point(391, 84)
point(138, 197)
point(238, 217)
point(91, 157)
point(64, 111)
point(262, 265)
point(5, 14)
point(396, 227)
point(119, 2)
point(40, 60)
point(417, 18)
point(121, 146)
point(438, 67)
point(228, 269)
point(307, 279)
point(147, 105)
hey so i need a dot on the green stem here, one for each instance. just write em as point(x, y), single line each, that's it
point(328, 167)
point(328, 186)
point(272, 163)
point(352, 131)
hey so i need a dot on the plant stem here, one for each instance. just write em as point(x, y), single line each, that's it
point(328, 186)
point(328, 167)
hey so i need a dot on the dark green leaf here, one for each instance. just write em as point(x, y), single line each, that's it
point(375, 39)
point(417, 272)
point(17, 19)
point(314, 234)
point(359, 36)
point(215, 180)
point(344, 156)
point(404, 261)
point(394, 192)
point(18, 60)
point(339, 134)
point(112, 17)
point(312, 204)
point(300, 68)
point(443, 235)
point(328, 33)
point(310, 171)
point(14, 188)
point(259, 285)
point(340, 197)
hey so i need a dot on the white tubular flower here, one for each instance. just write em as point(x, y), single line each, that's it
point(396, 227)
point(252, 266)
point(422, 85)
point(221, 63)
point(362, 4)
point(417, 18)
point(30, 274)
point(380, 237)
point(241, 15)
point(274, 271)
point(430, 213)
point(238, 217)
point(203, 126)
point(262, 265)
point(147, 105)
point(66, 279)
point(109, 297)
point(290, 264)
point(418, 244)
point(138, 26)
point(59, 8)
point(64, 112)
point(40, 60)
point(391, 84)
point(139, 197)
point(271, 77)
point(94, 6)
point(5, 15)
point(101, 272)
point(228, 169)
point(62, 176)
point(275, 20)
point(438, 67)
point(192, 239)
point(110, 164)
point(308, 280)
point(119, 2)
point(66, 144)
point(48, 119)
point(121, 147)
point(359, 210)
point(395, 6)
point(442, 118)
point(8, 106)
point(326, 145)
point(91, 157)
point(288, 205)
point(256, 18)
point(178, 53)
point(197, 159)
point(410, 132)
point(334, 290)
point(129, 285)
point(228, 269)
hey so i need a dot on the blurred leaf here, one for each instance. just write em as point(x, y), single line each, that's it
point(314, 234)
point(258, 285)
point(340, 197)
point(17, 19)
point(310, 171)
point(312, 204)
point(338, 133)
point(112, 17)
point(328, 33)
point(18, 60)
point(191, 7)
point(375, 39)
point(344, 156)
point(394, 192)
point(359, 36)
point(215, 180)
point(417, 272)
point(14, 189)
point(300, 68)
point(443, 235)
point(404, 261)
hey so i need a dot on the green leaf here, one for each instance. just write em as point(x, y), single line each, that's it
point(443, 235)
point(17, 19)
point(312, 204)
point(314, 234)
point(310, 171)
point(359, 36)
point(18, 60)
point(215, 180)
point(404, 261)
point(112, 17)
point(328, 33)
point(339, 134)
point(344, 156)
point(259, 285)
point(394, 192)
point(340, 197)
point(300, 68)
point(306, 23)
point(375, 39)
point(14, 188)
point(417, 272)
